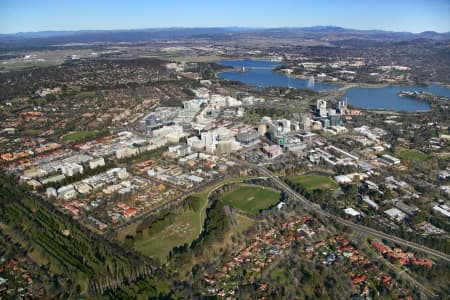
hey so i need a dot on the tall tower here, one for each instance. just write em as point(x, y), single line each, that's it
point(342, 106)
point(321, 107)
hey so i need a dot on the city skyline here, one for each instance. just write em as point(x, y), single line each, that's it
point(412, 16)
point(289, 149)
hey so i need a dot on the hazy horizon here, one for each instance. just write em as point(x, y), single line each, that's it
point(217, 27)
point(413, 16)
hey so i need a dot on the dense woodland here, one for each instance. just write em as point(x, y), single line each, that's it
point(94, 264)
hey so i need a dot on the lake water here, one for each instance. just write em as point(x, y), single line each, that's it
point(260, 73)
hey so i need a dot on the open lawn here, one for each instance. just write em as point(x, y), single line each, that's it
point(314, 181)
point(21, 65)
point(413, 155)
point(251, 199)
point(79, 135)
point(174, 230)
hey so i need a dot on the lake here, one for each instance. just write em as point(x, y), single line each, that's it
point(260, 73)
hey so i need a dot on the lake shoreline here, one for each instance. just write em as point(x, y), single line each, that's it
point(340, 83)
point(370, 96)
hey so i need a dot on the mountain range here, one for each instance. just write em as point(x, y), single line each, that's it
point(329, 33)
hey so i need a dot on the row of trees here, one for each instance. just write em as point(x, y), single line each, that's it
point(95, 262)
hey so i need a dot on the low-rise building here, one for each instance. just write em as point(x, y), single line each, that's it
point(442, 209)
point(180, 150)
point(407, 209)
point(396, 214)
point(72, 169)
point(369, 201)
point(352, 212)
point(248, 137)
point(98, 162)
point(67, 192)
point(51, 192)
point(389, 160)
point(52, 179)
point(126, 152)
point(273, 151)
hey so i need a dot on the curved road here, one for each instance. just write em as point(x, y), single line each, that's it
point(173, 201)
point(360, 228)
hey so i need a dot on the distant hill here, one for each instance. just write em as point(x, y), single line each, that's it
point(329, 33)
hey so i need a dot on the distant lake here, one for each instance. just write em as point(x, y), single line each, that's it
point(386, 98)
point(260, 73)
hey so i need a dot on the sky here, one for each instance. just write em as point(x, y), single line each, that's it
point(393, 15)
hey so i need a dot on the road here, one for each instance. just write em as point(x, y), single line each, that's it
point(165, 205)
point(357, 227)
point(402, 273)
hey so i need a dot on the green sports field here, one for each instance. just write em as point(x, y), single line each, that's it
point(251, 199)
point(413, 155)
point(79, 135)
point(176, 229)
point(314, 181)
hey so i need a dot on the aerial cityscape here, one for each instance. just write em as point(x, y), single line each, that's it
point(256, 150)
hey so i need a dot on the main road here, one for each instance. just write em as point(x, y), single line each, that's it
point(357, 227)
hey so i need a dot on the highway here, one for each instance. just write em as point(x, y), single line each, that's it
point(357, 227)
point(306, 204)
point(402, 273)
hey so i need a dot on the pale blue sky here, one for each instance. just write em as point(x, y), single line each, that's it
point(395, 15)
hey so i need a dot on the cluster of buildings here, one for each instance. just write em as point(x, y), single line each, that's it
point(336, 252)
point(365, 274)
point(332, 155)
point(191, 168)
point(89, 155)
point(105, 181)
point(12, 156)
point(55, 168)
point(348, 69)
point(77, 179)
point(327, 116)
point(198, 114)
point(373, 134)
point(400, 211)
point(397, 254)
point(213, 135)
point(442, 209)
point(220, 140)
point(258, 254)
point(16, 280)
point(175, 176)
point(341, 70)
